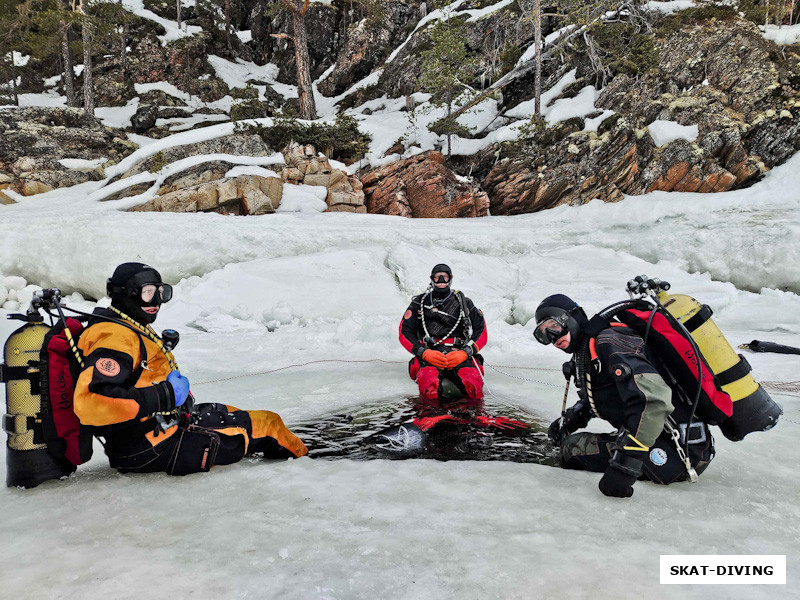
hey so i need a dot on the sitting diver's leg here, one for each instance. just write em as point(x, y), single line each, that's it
point(662, 463)
point(586, 451)
point(472, 379)
point(428, 382)
point(270, 436)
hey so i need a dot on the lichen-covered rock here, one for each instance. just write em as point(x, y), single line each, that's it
point(243, 195)
point(239, 144)
point(33, 140)
point(305, 165)
point(368, 42)
point(582, 166)
point(422, 186)
point(145, 118)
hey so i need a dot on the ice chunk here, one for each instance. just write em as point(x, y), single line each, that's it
point(14, 283)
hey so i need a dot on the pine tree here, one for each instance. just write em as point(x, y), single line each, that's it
point(446, 69)
point(8, 44)
point(299, 37)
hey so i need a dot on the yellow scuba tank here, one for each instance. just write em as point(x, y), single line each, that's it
point(753, 409)
point(28, 462)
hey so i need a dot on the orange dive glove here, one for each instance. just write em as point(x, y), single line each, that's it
point(455, 358)
point(437, 359)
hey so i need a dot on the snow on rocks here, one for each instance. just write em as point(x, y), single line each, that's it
point(669, 7)
point(665, 132)
point(173, 32)
point(305, 166)
point(303, 198)
point(783, 35)
point(80, 164)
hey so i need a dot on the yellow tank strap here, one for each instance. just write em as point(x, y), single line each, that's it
point(639, 447)
point(151, 335)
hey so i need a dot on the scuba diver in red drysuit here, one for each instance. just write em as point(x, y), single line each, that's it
point(444, 331)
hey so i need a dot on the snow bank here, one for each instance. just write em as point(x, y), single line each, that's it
point(665, 132)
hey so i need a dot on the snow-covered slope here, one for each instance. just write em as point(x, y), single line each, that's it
point(255, 294)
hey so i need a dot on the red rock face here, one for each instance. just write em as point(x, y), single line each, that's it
point(422, 187)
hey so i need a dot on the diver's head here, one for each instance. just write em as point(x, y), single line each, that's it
point(137, 290)
point(441, 277)
point(560, 321)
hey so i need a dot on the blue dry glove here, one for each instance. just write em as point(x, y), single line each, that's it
point(180, 385)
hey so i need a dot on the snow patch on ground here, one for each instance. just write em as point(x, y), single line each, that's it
point(526, 109)
point(567, 108)
point(19, 59)
point(47, 99)
point(666, 132)
point(236, 74)
point(594, 123)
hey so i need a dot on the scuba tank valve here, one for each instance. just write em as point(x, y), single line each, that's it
point(170, 338)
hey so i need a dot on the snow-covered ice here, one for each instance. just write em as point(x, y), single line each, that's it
point(259, 293)
point(254, 294)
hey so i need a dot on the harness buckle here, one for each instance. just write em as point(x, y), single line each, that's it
point(693, 438)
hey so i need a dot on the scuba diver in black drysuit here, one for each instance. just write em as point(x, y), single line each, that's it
point(627, 388)
point(445, 332)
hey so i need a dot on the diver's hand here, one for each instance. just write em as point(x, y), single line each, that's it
point(436, 358)
point(180, 385)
